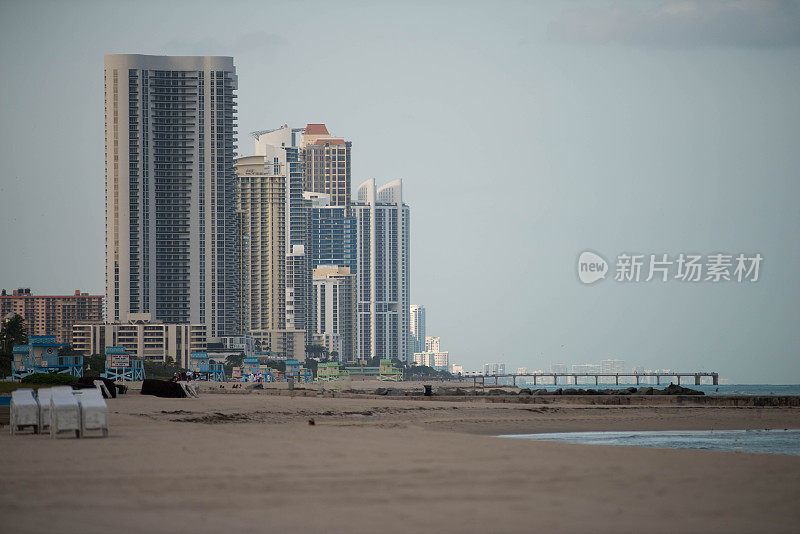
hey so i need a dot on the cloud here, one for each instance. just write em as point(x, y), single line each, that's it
point(685, 24)
point(242, 44)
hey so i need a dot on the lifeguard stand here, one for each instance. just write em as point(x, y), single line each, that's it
point(201, 363)
point(121, 366)
point(250, 366)
point(268, 373)
point(387, 371)
point(292, 369)
point(305, 375)
point(40, 355)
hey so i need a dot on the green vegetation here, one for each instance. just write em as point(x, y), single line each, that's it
point(317, 352)
point(94, 365)
point(13, 332)
point(163, 371)
point(52, 379)
point(234, 360)
point(278, 365)
point(423, 371)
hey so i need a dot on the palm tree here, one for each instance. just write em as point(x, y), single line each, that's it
point(13, 333)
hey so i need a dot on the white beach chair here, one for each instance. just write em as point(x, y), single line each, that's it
point(189, 389)
point(24, 411)
point(101, 386)
point(94, 412)
point(45, 394)
point(65, 413)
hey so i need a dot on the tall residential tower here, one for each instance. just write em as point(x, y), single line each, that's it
point(276, 250)
point(171, 190)
point(417, 329)
point(383, 307)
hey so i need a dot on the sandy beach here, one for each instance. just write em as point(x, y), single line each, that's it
point(244, 462)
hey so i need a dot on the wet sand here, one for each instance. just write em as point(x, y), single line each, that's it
point(251, 462)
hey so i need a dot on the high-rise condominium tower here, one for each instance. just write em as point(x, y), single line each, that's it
point(327, 164)
point(417, 329)
point(171, 190)
point(276, 243)
point(383, 307)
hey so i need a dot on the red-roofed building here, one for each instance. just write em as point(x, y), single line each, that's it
point(316, 129)
point(327, 164)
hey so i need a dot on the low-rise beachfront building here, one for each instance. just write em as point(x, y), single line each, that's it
point(142, 338)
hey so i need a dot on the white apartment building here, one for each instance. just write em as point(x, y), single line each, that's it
point(417, 328)
point(431, 344)
point(244, 344)
point(146, 340)
point(494, 368)
point(383, 307)
point(586, 368)
point(611, 366)
point(558, 368)
point(275, 246)
point(334, 310)
point(171, 221)
point(438, 360)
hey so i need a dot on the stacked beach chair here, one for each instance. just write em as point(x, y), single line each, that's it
point(60, 409)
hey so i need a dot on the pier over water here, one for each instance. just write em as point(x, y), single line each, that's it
point(544, 378)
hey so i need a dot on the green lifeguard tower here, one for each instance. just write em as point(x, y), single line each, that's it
point(329, 371)
point(387, 371)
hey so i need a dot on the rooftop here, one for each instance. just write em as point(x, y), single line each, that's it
point(316, 129)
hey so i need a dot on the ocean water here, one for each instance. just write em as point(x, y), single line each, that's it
point(760, 441)
point(726, 389)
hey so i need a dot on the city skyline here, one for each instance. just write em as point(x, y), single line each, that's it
point(687, 147)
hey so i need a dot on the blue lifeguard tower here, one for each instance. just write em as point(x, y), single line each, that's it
point(292, 369)
point(250, 366)
point(202, 363)
point(40, 355)
point(122, 366)
point(305, 375)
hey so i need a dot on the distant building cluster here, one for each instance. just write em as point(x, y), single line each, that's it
point(426, 348)
point(270, 246)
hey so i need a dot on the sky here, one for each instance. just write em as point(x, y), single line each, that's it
point(524, 132)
